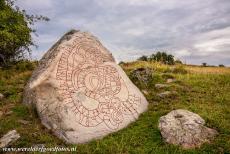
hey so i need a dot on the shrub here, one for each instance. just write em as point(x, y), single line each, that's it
point(121, 63)
point(25, 65)
point(15, 32)
point(204, 64)
point(162, 57)
point(180, 69)
point(221, 65)
point(178, 61)
point(143, 58)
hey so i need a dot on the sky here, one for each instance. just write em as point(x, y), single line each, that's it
point(194, 31)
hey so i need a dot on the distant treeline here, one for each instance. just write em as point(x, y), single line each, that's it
point(162, 57)
point(168, 59)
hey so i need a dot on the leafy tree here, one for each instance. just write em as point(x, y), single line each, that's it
point(221, 65)
point(163, 57)
point(143, 58)
point(15, 31)
point(204, 64)
point(121, 63)
point(178, 61)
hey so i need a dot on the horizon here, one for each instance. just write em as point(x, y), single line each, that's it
point(194, 32)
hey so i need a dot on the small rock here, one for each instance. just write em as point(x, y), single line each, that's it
point(145, 92)
point(1, 113)
point(1, 96)
point(170, 80)
point(167, 94)
point(8, 113)
point(159, 86)
point(23, 122)
point(9, 138)
point(182, 127)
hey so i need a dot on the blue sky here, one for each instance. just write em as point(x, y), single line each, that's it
point(195, 31)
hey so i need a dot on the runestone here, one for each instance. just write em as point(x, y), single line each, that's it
point(79, 91)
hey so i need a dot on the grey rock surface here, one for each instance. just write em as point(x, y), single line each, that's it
point(184, 128)
point(143, 74)
point(9, 138)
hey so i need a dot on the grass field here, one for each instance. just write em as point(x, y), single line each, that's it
point(203, 90)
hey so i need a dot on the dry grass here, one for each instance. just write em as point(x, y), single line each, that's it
point(167, 68)
point(208, 70)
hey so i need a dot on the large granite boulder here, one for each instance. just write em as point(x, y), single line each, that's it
point(80, 93)
point(184, 128)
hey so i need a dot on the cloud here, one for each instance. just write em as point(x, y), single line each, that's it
point(194, 31)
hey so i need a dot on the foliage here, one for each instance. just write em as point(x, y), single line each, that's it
point(180, 69)
point(204, 64)
point(221, 65)
point(162, 57)
point(143, 58)
point(121, 63)
point(178, 61)
point(15, 31)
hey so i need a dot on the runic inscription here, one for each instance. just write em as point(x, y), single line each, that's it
point(91, 88)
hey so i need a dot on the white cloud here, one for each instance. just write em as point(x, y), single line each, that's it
point(214, 45)
point(37, 4)
point(196, 29)
point(215, 41)
point(182, 53)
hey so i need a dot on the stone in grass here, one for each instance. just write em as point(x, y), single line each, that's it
point(79, 91)
point(9, 113)
point(143, 74)
point(9, 138)
point(160, 86)
point(24, 122)
point(145, 92)
point(184, 128)
point(1, 96)
point(1, 113)
point(170, 80)
point(167, 94)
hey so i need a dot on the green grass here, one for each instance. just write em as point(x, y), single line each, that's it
point(207, 94)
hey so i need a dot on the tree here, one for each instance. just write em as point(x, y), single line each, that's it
point(221, 65)
point(15, 31)
point(143, 58)
point(178, 61)
point(163, 57)
point(204, 64)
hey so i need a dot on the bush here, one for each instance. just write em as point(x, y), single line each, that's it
point(162, 57)
point(121, 63)
point(143, 58)
point(204, 64)
point(167, 76)
point(221, 65)
point(178, 61)
point(180, 69)
point(25, 65)
point(15, 33)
